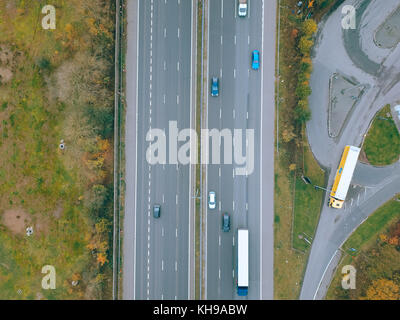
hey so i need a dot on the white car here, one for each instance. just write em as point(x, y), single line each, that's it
point(212, 200)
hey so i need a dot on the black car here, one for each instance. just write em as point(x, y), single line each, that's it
point(156, 211)
point(226, 222)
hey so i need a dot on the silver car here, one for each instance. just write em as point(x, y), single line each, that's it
point(212, 200)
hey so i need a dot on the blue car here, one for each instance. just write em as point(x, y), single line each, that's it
point(214, 87)
point(255, 60)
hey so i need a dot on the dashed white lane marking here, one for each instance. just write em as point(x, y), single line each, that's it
point(234, 114)
point(177, 99)
point(219, 273)
point(220, 73)
point(163, 198)
point(219, 205)
point(233, 273)
point(176, 233)
point(221, 40)
point(233, 205)
point(222, 9)
point(247, 206)
point(234, 40)
point(176, 199)
point(150, 118)
point(162, 296)
point(234, 73)
point(248, 39)
point(162, 265)
point(219, 240)
point(177, 66)
point(233, 173)
point(162, 232)
point(233, 241)
point(220, 113)
point(219, 171)
point(164, 98)
point(179, 32)
point(165, 65)
point(165, 32)
point(176, 266)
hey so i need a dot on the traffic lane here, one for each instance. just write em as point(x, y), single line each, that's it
point(142, 165)
point(219, 42)
point(130, 134)
point(213, 183)
point(267, 132)
point(254, 114)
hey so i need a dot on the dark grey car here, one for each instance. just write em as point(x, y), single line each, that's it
point(226, 222)
point(156, 211)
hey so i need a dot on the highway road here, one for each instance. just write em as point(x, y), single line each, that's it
point(245, 96)
point(159, 90)
point(336, 52)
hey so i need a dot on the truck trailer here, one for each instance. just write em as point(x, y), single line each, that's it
point(343, 177)
point(242, 262)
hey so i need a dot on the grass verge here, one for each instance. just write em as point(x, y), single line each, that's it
point(382, 143)
point(374, 250)
point(297, 205)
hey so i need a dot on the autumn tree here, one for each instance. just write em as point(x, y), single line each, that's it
point(383, 289)
point(309, 27)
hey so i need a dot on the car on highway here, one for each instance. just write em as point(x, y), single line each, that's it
point(214, 87)
point(226, 222)
point(156, 211)
point(255, 64)
point(212, 200)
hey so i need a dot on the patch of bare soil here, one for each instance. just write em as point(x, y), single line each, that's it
point(363, 157)
point(16, 220)
point(5, 75)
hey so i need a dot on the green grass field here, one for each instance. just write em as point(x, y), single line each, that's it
point(382, 144)
point(55, 80)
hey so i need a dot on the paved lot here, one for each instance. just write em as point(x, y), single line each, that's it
point(333, 53)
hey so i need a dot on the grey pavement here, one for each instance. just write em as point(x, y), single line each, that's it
point(239, 106)
point(375, 185)
point(160, 255)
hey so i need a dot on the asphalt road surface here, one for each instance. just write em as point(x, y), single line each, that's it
point(159, 74)
point(245, 96)
point(372, 187)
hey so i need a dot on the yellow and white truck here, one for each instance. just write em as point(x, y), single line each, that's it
point(343, 177)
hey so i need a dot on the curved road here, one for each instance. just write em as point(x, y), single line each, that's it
point(337, 51)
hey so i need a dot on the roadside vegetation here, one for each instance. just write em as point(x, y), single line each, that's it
point(374, 250)
point(382, 143)
point(56, 88)
point(297, 204)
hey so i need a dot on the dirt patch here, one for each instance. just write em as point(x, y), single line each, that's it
point(5, 75)
point(363, 157)
point(16, 220)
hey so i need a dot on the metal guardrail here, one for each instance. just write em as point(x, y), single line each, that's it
point(119, 30)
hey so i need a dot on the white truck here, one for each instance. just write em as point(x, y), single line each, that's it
point(242, 8)
point(242, 262)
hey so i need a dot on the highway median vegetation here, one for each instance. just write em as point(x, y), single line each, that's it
point(297, 204)
point(56, 130)
point(374, 250)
